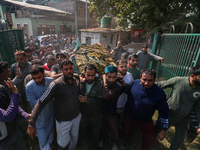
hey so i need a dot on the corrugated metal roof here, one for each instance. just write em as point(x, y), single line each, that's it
point(102, 30)
point(40, 7)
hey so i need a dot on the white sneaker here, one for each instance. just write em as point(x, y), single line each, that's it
point(114, 147)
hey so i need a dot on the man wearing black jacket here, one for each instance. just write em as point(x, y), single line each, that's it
point(91, 104)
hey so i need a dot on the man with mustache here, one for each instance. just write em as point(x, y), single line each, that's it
point(184, 98)
point(64, 91)
point(132, 66)
point(19, 71)
point(34, 90)
point(128, 79)
point(144, 97)
point(91, 105)
point(111, 91)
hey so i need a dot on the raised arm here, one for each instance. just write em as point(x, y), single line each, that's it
point(10, 113)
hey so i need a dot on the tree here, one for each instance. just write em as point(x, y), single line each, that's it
point(150, 14)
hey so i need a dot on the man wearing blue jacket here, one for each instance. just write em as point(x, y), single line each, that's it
point(144, 98)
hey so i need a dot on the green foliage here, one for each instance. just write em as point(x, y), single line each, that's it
point(150, 14)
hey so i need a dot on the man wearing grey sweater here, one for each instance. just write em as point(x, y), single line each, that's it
point(144, 58)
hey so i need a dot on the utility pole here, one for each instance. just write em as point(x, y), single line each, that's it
point(86, 14)
point(76, 19)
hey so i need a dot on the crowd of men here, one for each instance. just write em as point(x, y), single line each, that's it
point(56, 103)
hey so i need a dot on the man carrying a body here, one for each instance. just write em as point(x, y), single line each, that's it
point(91, 105)
point(128, 79)
point(34, 90)
point(132, 66)
point(65, 92)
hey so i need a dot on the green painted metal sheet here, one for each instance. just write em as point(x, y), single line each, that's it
point(10, 42)
point(180, 52)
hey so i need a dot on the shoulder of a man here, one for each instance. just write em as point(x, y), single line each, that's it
point(13, 65)
point(30, 83)
point(158, 90)
point(123, 49)
point(116, 48)
point(99, 80)
point(2, 88)
point(139, 52)
point(55, 67)
point(128, 77)
point(49, 79)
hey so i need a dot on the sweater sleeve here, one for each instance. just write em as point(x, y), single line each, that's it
point(10, 113)
point(22, 114)
point(154, 57)
point(165, 84)
point(109, 94)
point(17, 81)
point(163, 111)
point(48, 95)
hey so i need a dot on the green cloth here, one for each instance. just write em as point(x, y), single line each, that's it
point(183, 98)
point(88, 87)
point(135, 72)
point(94, 54)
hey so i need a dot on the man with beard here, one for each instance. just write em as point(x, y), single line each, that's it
point(32, 48)
point(91, 105)
point(34, 90)
point(111, 92)
point(29, 55)
point(49, 51)
point(132, 66)
point(20, 70)
point(185, 96)
point(119, 49)
point(128, 79)
point(144, 97)
point(55, 69)
point(144, 58)
point(64, 91)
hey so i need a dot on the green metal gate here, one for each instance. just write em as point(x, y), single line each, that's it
point(180, 52)
point(10, 42)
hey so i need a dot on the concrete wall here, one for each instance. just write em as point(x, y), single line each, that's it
point(33, 23)
point(108, 37)
point(57, 24)
point(95, 37)
point(2, 10)
point(23, 21)
point(103, 38)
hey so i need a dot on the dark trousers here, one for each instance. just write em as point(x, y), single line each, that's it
point(146, 128)
point(113, 127)
point(15, 142)
point(181, 127)
point(92, 124)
